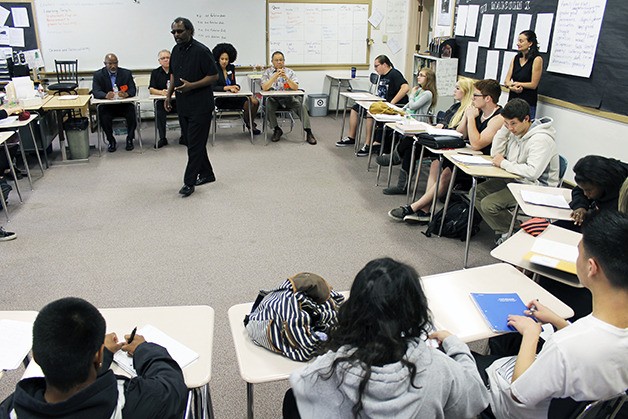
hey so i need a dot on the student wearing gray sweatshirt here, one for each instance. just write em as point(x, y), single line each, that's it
point(377, 363)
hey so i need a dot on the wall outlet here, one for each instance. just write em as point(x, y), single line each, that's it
point(384, 38)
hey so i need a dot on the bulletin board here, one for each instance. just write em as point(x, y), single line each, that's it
point(323, 33)
point(18, 33)
point(607, 85)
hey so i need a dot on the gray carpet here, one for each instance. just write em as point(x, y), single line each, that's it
point(115, 231)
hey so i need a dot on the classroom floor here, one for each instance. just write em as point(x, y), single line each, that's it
point(116, 232)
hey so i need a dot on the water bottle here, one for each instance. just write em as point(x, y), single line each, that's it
point(115, 92)
point(168, 85)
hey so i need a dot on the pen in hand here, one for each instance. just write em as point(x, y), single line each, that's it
point(132, 335)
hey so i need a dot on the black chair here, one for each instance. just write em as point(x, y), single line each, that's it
point(613, 407)
point(67, 77)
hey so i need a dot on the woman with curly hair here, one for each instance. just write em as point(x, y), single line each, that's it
point(376, 362)
point(225, 55)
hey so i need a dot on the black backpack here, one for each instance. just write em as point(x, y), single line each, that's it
point(455, 225)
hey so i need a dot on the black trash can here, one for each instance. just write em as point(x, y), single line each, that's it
point(78, 137)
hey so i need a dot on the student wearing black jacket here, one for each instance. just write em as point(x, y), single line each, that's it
point(68, 344)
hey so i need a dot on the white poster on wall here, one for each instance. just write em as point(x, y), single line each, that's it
point(444, 12)
point(576, 20)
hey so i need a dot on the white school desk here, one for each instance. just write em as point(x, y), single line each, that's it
point(59, 106)
point(22, 316)
point(355, 96)
point(533, 210)
point(193, 326)
point(135, 100)
point(15, 127)
point(36, 106)
point(241, 93)
point(475, 171)
point(516, 247)
point(4, 136)
point(384, 119)
point(337, 78)
point(280, 93)
point(449, 300)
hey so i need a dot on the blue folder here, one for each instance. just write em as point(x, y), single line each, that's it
point(496, 307)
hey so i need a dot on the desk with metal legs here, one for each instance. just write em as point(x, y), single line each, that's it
point(280, 93)
point(59, 104)
point(337, 78)
point(135, 100)
point(476, 172)
point(14, 127)
point(241, 93)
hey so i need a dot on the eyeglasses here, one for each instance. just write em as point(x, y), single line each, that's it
point(177, 31)
point(164, 58)
point(111, 63)
point(479, 95)
point(376, 65)
point(421, 75)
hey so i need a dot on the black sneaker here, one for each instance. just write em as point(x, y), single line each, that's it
point(161, 143)
point(6, 235)
point(398, 214)
point(363, 152)
point(276, 135)
point(345, 142)
point(420, 217)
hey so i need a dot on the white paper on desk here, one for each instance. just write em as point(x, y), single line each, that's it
point(472, 160)
point(506, 60)
point(472, 57)
point(472, 20)
point(68, 97)
point(8, 120)
point(524, 22)
point(545, 199)
point(382, 117)
point(24, 87)
point(20, 17)
point(555, 249)
point(178, 351)
point(4, 15)
point(503, 31)
point(461, 20)
point(16, 338)
point(543, 30)
point(443, 131)
point(492, 65)
point(486, 31)
point(16, 37)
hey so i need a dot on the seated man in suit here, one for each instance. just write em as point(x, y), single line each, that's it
point(585, 360)
point(279, 77)
point(158, 85)
point(70, 346)
point(113, 82)
point(525, 148)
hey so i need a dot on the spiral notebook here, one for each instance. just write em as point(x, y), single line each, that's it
point(497, 307)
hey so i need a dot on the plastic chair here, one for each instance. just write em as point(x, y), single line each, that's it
point(67, 77)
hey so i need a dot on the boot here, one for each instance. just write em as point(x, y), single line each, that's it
point(384, 159)
point(402, 185)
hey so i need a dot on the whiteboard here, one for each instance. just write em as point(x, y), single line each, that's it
point(319, 33)
point(136, 30)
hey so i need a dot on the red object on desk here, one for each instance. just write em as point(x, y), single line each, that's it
point(24, 115)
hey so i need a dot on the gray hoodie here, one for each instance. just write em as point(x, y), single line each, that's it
point(445, 386)
point(533, 156)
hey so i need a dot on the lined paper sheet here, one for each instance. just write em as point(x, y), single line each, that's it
point(178, 351)
point(472, 160)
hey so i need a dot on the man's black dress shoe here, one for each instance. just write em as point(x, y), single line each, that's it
point(205, 179)
point(129, 145)
point(162, 142)
point(113, 146)
point(186, 190)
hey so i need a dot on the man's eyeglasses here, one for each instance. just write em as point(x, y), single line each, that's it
point(479, 95)
point(177, 31)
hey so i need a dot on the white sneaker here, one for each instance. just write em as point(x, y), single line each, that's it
point(345, 142)
point(6, 235)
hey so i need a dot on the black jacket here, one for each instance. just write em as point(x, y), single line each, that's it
point(157, 392)
point(101, 83)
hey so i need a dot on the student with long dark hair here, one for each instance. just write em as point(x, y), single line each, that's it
point(376, 362)
point(525, 71)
